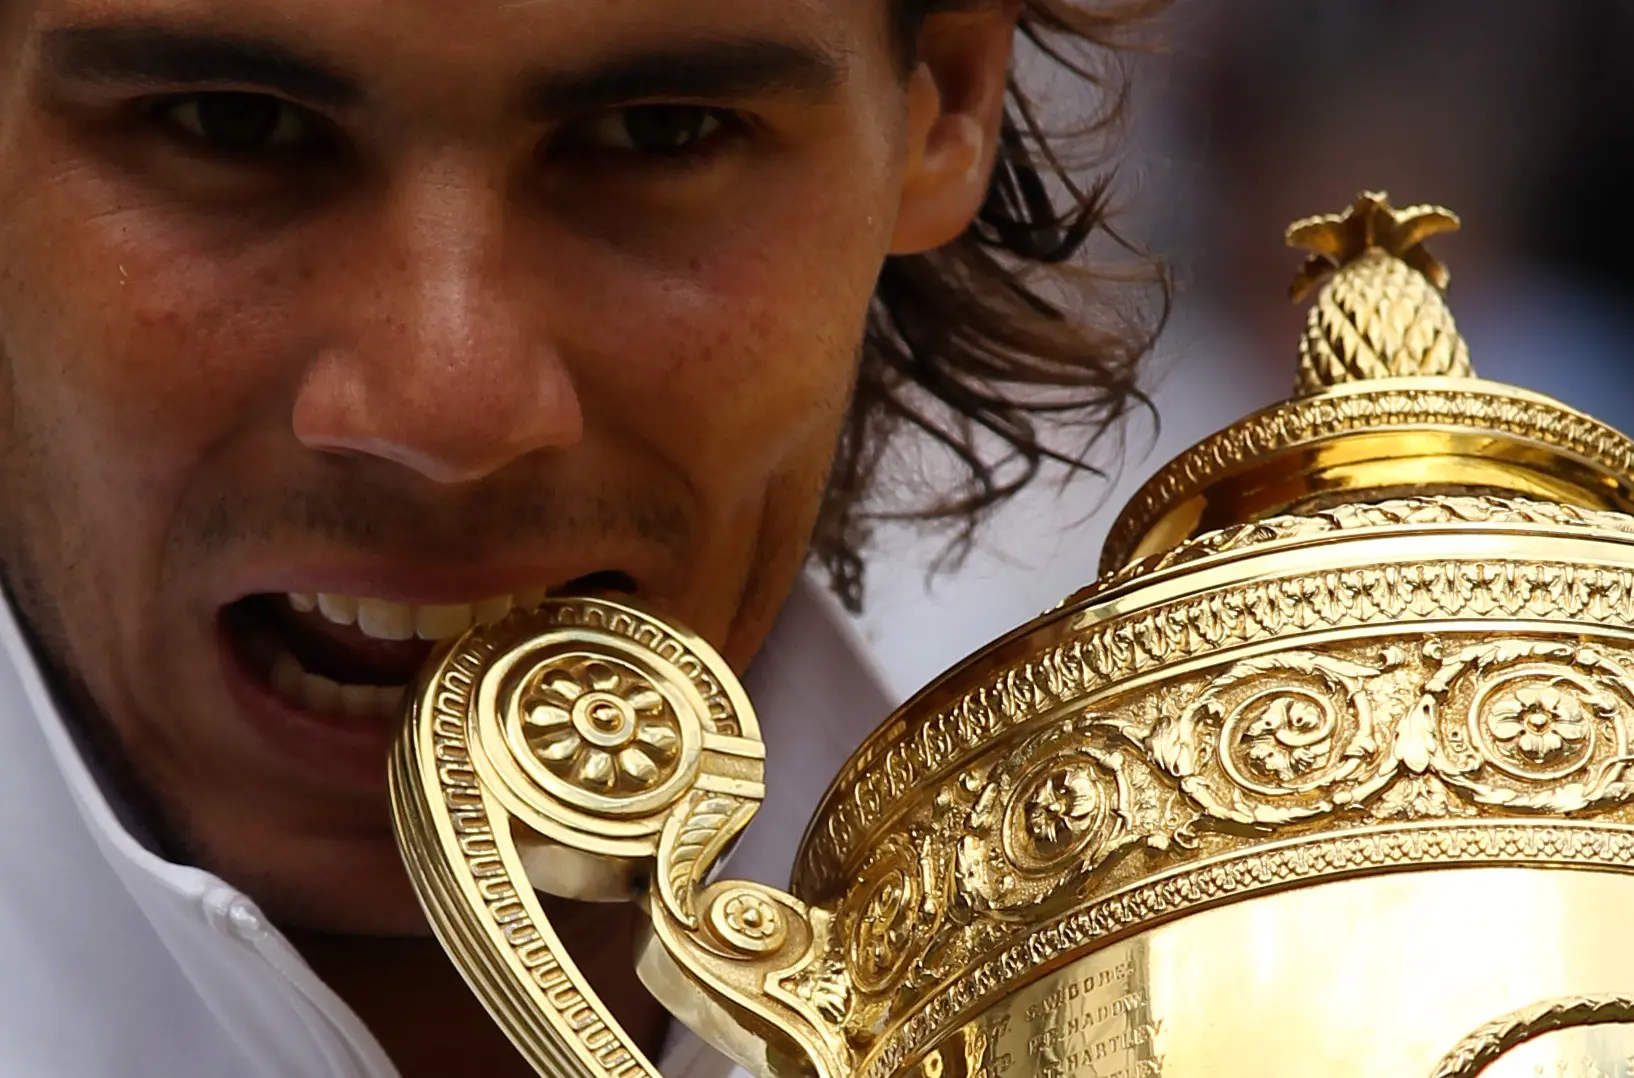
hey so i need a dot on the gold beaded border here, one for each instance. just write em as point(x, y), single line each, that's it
point(1303, 420)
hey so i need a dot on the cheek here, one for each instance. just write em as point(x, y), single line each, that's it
point(132, 351)
point(738, 361)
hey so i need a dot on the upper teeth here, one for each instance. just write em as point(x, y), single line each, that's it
point(384, 620)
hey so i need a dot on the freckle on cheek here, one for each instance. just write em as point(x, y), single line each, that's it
point(760, 330)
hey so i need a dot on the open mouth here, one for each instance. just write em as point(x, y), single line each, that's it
point(353, 657)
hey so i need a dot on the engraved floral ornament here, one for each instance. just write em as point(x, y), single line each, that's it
point(885, 930)
point(888, 917)
point(1062, 807)
point(750, 916)
point(1290, 737)
point(1538, 722)
point(748, 922)
point(603, 727)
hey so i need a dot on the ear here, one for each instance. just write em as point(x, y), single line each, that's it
point(955, 108)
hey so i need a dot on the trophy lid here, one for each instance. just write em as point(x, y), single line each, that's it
point(1386, 404)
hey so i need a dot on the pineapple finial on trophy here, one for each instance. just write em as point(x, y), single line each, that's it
point(1381, 313)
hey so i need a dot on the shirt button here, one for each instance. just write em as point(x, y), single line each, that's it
point(246, 920)
point(232, 914)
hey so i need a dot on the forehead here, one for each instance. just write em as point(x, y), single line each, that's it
point(493, 35)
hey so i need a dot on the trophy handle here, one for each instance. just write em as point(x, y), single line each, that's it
point(591, 751)
point(1482, 1048)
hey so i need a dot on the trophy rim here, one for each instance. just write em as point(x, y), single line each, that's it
point(1441, 405)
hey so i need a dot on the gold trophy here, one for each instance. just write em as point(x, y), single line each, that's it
point(1328, 774)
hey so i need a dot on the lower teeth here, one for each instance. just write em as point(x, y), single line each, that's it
point(319, 694)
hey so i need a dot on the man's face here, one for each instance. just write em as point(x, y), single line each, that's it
point(401, 304)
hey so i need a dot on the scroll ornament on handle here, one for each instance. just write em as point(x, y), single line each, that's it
point(592, 751)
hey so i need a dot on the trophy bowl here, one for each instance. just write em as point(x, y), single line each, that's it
point(1327, 774)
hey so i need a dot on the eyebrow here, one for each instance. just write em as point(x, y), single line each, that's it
point(706, 70)
point(148, 54)
point(145, 54)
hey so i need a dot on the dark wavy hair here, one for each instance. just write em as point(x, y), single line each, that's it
point(1006, 348)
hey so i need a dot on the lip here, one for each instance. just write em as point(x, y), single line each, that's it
point(345, 752)
point(423, 583)
point(353, 753)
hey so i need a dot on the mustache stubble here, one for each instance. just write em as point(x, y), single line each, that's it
point(346, 508)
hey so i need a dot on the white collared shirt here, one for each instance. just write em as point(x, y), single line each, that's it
point(115, 963)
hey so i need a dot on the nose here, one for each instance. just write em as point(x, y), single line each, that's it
point(441, 360)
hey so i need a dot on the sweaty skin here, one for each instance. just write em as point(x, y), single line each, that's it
point(423, 315)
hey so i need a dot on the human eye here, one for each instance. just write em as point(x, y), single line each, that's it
point(240, 125)
point(652, 131)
